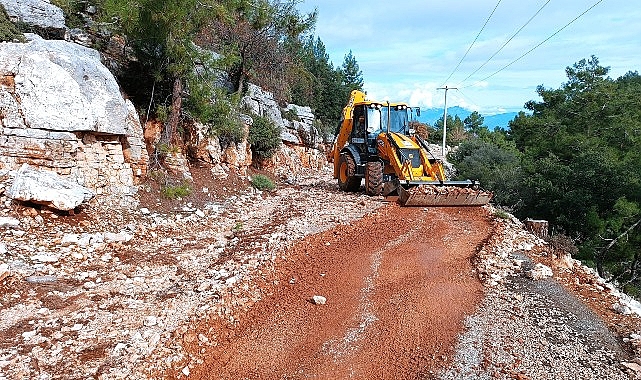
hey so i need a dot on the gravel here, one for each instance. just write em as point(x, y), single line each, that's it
point(114, 292)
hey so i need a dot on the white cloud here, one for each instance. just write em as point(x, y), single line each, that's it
point(406, 52)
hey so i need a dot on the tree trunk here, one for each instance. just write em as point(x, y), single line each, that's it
point(171, 127)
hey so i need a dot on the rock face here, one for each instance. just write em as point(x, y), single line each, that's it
point(44, 17)
point(47, 188)
point(234, 156)
point(301, 151)
point(62, 110)
point(299, 130)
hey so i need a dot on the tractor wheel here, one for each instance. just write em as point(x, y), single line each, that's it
point(374, 178)
point(347, 181)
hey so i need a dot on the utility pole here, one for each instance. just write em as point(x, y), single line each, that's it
point(445, 116)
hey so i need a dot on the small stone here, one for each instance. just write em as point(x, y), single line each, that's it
point(200, 214)
point(621, 309)
point(144, 211)
point(119, 347)
point(69, 239)
point(633, 366)
point(9, 222)
point(89, 285)
point(4, 271)
point(150, 321)
point(44, 258)
point(76, 327)
point(28, 334)
point(539, 272)
point(319, 300)
point(41, 279)
point(204, 286)
point(203, 338)
point(185, 371)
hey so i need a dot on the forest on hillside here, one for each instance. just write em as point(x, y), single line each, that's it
point(574, 161)
point(193, 59)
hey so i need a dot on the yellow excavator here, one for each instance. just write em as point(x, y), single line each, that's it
point(374, 141)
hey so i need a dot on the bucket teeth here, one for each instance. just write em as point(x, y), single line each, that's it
point(430, 195)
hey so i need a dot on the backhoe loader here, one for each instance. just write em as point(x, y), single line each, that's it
point(374, 141)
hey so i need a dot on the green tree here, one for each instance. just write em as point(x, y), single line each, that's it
point(254, 34)
point(497, 166)
point(319, 85)
point(473, 123)
point(352, 74)
point(455, 131)
point(581, 162)
point(161, 34)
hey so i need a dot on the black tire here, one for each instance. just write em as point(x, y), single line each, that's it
point(347, 181)
point(374, 178)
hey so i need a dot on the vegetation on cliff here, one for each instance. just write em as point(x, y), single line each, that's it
point(175, 75)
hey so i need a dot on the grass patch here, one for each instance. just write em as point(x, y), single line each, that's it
point(176, 191)
point(262, 182)
point(501, 214)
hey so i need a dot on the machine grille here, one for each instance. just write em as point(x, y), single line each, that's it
point(412, 155)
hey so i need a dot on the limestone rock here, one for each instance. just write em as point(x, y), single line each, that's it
point(47, 188)
point(319, 300)
point(63, 86)
point(8, 222)
point(47, 19)
point(539, 272)
point(63, 111)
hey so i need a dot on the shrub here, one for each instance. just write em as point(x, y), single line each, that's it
point(290, 114)
point(176, 191)
point(8, 30)
point(262, 182)
point(218, 110)
point(264, 137)
point(501, 214)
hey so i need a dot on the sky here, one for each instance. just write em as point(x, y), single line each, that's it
point(408, 49)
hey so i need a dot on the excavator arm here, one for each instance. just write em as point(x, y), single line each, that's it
point(346, 126)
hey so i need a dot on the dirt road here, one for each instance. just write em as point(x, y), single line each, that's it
point(398, 284)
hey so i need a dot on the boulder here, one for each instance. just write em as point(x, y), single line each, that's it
point(45, 18)
point(63, 111)
point(63, 87)
point(47, 188)
point(539, 272)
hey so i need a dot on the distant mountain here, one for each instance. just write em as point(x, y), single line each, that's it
point(431, 115)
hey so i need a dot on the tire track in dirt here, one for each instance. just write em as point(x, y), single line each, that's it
point(398, 284)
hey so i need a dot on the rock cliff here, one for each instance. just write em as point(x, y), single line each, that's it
point(62, 110)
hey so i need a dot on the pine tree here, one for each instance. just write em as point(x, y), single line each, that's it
point(352, 74)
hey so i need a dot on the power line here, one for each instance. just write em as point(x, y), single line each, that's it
point(534, 48)
point(506, 42)
point(473, 42)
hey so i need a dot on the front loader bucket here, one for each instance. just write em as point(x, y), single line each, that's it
point(431, 195)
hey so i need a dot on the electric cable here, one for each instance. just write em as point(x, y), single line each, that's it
point(506, 42)
point(535, 47)
point(473, 42)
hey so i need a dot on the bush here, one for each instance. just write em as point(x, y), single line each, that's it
point(262, 182)
point(176, 191)
point(264, 137)
point(290, 114)
point(218, 110)
point(8, 30)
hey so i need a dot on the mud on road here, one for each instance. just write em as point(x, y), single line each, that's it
point(398, 285)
